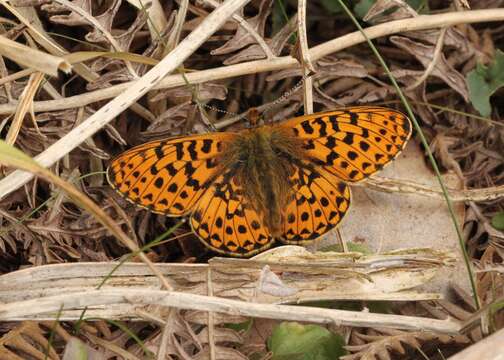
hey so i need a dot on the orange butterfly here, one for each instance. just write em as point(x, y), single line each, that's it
point(245, 189)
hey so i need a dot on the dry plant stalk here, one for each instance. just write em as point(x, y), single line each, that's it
point(129, 93)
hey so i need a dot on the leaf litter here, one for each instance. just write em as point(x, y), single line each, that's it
point(469, 150)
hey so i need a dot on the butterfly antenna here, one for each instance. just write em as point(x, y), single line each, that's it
point(286, 94)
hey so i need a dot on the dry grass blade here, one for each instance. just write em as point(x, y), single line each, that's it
point(25, 105)
point(180, 300)
point(32, 58)
point(26, 338)
point(409, 187)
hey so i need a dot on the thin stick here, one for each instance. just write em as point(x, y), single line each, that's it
point(252, 67)
point(409, 187)
point(139, 297)
point(211, 322)
point(433, 63)
point(101, 118)
point(304, 53)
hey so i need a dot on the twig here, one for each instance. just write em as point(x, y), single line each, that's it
point(433, 63)
point(304, 53)
point(101, 118)
point(418, 23)
point(210, 325)
point(138, 297)
point(409, 187)
point(33, 58)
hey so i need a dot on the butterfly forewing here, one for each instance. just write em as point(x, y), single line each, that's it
point(168, 176)
point(354, 143)
point(226, 222)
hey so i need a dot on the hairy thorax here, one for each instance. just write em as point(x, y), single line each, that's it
point(262, 159)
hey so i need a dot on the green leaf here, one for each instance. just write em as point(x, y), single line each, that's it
point(294, 341)
point(279, 17)
point(362, 7)
point(498, 221)
point(244, 326)
point(418, 4)
point(484, 81)
point(331, 5)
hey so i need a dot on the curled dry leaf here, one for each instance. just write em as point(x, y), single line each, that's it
point(72, 19)
point(389, 10)
point(276, 45)
point(387, 342)
point(442, 69)
point(26, 338)
point(106, 20)
point(242, 37)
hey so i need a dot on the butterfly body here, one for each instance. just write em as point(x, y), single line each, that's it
point(262, 161)
point(244, 189)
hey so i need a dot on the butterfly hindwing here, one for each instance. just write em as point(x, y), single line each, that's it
point(352, 143)
point(321, 201)
point(169, 176)
point(226, 222)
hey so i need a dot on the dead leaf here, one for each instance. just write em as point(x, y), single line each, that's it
point(443, 70)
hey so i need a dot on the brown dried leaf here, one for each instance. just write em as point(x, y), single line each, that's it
point(276, 44)
point(389, 10)
point(383, 345)
point(203, 92)
point(222, 353)
point(326, 69)
point(442, 69)
point(242, 38)
point(72, 19)
point(106, 80)
point(106, 20)
point(26, 338)
point(169, 123)
point(454, 37)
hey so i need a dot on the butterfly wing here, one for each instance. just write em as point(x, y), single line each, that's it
point(226, 222)
point(352, 143)
point(168, 177)
point(321, 201)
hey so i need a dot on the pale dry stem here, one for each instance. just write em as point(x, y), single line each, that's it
point(409, 187)
point(131, 91)
point(53, 304)
point(304, 54)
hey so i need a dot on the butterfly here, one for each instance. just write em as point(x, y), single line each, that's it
point(243, 190)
